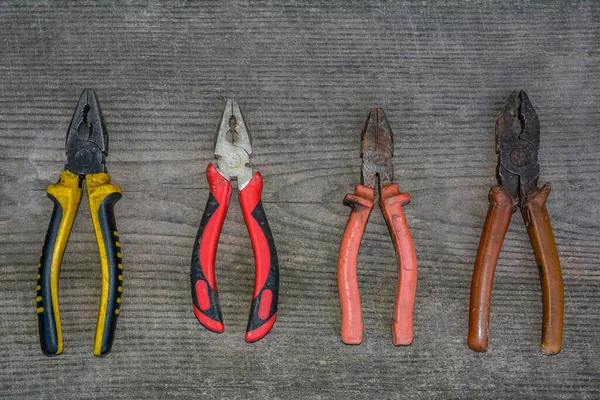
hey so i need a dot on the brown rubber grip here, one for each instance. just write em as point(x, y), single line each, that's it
point(361, 202)
point(538, 225)
point(496, 223)
point(391, 202)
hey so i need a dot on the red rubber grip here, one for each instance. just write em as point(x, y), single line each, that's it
point(361, 202)
point(266, 284)
point(204, 287)
point(391, 202)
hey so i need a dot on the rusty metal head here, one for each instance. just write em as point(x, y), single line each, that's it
point(377, 149)
point(518, 140)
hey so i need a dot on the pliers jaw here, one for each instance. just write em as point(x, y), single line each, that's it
point(518, 139)
point(233, 146)
point(87, 139)
point(377, 149)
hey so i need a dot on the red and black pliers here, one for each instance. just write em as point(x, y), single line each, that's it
point(233, 149)
point(377, 150)
point(518, 141)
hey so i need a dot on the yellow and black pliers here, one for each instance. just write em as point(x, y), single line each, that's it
point(86, 147)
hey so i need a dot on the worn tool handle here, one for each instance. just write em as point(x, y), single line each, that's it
point(496, 224)
point(205, 298)
point(538, 225)
point(263, 310)
point(361, 203)
point(102, 197)
point(66, 195)
point(391, 202)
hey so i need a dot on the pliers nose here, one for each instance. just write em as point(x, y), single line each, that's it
point(233, 146)
point(86, 143)
point(377, 150)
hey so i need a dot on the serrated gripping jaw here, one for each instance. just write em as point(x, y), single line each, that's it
point(86, 144)
point(233, 146)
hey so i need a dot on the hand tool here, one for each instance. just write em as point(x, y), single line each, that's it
point(376, 151)
point(518, 140)
point(233, 149)
point(86, 147)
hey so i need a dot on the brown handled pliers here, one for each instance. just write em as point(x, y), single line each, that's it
point(518, 139)
point(376, 151)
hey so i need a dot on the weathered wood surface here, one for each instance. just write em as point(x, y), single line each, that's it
point(305, 76)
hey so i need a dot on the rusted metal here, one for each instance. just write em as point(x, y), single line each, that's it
point(377, 149)
point(518, 140)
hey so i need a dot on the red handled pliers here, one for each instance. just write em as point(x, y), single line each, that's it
point(377, 149)
point(233, 149)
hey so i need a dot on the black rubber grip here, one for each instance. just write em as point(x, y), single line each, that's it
point(114, 258)
point(202, 273)
point(48, 323)
point(272, 281)
point(196, 274)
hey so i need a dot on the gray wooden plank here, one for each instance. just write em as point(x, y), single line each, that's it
point(305, 75)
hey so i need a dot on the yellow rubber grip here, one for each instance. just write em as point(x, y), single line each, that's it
point(99, 189)
point(66, 194)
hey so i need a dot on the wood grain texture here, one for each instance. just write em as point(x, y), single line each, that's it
point(305, 75)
